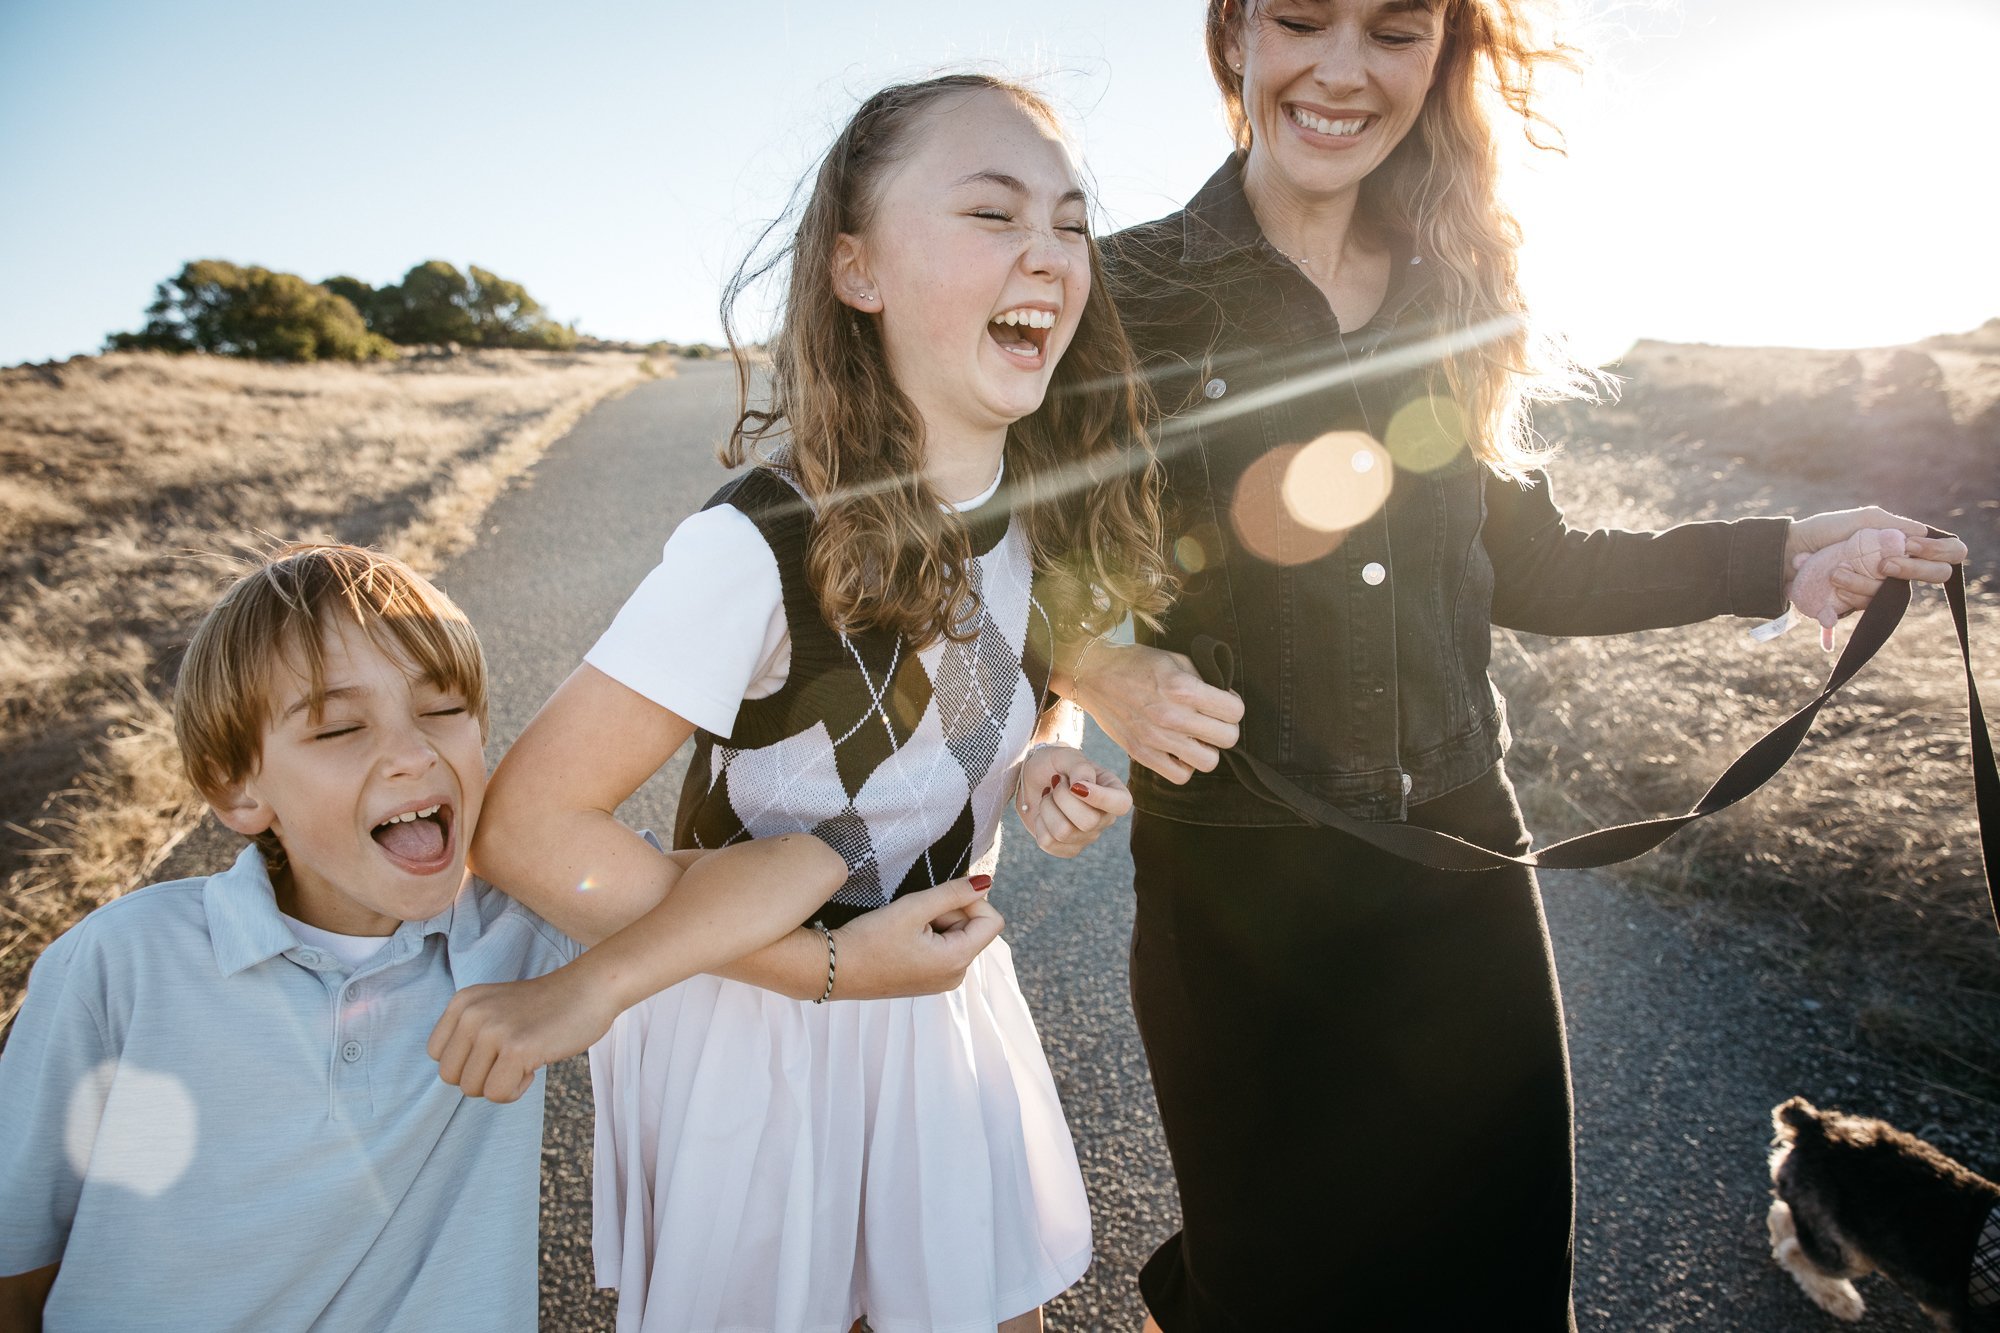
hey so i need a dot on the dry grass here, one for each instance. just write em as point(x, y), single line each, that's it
point(1858, 866)
point(126, 483)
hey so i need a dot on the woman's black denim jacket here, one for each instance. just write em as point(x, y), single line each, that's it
point(1363, 671)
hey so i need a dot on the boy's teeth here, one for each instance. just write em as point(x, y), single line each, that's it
point(410, 816)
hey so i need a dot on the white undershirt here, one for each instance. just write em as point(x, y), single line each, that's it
point(351, 950)
point(705, 630)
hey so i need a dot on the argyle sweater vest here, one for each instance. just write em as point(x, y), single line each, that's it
point(899, 758)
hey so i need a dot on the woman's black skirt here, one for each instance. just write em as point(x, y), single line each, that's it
point(1361, 1071)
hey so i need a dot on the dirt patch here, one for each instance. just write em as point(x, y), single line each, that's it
point(127, 483)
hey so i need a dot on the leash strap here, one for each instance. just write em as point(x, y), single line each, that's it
point(1608, 846)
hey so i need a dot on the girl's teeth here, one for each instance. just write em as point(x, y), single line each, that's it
point(1034, 319)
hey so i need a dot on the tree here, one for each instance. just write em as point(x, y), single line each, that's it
point(430, 305)
point(212, 305)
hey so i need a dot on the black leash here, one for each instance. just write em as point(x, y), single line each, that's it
point(1608, 846)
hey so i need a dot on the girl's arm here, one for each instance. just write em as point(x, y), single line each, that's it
point(493, 1038)
point(548, 835)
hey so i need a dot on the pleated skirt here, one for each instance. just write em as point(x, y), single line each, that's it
point(1362, 1076)
point(774, 1165)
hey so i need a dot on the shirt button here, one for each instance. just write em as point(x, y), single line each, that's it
point(1373, 573)
point(1215, 388)
point(350, 1051)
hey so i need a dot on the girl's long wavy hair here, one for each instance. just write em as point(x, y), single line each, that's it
point(885, 552)
point(1439, 188)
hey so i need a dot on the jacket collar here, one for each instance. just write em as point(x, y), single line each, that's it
point(1219, 223)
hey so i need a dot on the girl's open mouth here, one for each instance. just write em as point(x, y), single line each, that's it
point(1022, 331)
point(417, 840)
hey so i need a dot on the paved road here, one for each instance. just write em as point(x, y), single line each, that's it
point(1680, 1048)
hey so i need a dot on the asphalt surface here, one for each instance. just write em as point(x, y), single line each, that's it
point(1680, 1045)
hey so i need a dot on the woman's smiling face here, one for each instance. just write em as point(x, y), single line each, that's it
point(1330, 87)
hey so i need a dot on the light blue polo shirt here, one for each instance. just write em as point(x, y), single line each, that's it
point(210, 1125)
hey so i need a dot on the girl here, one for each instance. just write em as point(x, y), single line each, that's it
point(858, 634)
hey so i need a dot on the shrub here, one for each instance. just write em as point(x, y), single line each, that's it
point(212, 305)
point(435, 303)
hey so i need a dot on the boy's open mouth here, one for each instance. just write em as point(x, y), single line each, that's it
point(418, 840)
point(1022, 331)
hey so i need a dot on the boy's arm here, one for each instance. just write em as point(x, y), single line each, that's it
point(55, 1074)
point(493, 1038)
point(22, 1298)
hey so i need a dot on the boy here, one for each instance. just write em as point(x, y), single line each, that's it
point(220, 1110)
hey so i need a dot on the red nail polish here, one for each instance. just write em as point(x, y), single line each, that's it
point(981, 882)
point(1055, 782)
point(1079, 789)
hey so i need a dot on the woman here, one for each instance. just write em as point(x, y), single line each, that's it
point(1360, 1062)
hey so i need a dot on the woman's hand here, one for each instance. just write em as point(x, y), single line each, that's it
point(1836, 561)
point(1065, 800)
point(1155, 708)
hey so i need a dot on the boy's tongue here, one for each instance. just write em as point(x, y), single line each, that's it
point(417, 840)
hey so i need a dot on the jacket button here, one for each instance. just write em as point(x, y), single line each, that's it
point(1409, 784)
point(1373, 573)
point(1215, 388)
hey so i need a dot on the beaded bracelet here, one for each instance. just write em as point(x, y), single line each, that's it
point(831, 958)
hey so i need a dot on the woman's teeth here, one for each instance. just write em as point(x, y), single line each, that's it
point(1034, 319)
point(1321, 125)
point(410, 816)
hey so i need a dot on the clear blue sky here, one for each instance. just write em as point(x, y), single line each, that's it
point(1815, 172)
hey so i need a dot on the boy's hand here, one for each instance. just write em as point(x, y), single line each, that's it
point(493, 1038)
point(1066, 801)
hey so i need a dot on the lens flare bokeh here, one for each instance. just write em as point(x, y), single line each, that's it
point(1426, 434)
point(1298, 503)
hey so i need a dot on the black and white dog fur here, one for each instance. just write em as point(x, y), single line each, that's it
point(1856, 1195)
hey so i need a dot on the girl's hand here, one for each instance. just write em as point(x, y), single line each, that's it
point(920, 944)
point(493, 1038)
point(1837, 561)
point(1065, 800)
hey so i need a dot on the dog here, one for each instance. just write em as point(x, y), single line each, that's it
point(1855, 1195)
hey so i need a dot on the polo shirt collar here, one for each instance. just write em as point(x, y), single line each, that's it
point(243, 922)
point(245, 927)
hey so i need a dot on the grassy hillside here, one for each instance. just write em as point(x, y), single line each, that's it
point(126, 484)
point(1858, 864)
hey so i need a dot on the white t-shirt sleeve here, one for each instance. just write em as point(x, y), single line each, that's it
point(706, 629)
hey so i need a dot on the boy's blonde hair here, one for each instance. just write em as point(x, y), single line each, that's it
point(277, 614)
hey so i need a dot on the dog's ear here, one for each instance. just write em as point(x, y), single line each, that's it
point(1793, 1117)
